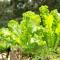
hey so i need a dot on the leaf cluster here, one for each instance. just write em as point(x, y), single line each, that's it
point(36, 34)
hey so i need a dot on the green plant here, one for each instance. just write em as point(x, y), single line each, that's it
point(38, 35)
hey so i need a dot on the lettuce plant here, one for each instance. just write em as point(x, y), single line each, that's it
point(36, 34)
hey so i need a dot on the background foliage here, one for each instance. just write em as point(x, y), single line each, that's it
point(10, 9)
